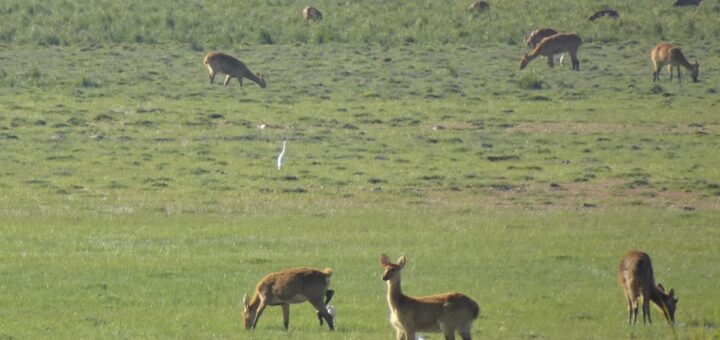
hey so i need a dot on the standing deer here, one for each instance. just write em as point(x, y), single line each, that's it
point(312, 13)
point(636, 277)
point(556, 44)
point(672, 56)
point(218, 62)
point(447, 313)
point(295, 285)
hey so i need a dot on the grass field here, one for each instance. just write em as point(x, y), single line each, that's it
point(139, 201)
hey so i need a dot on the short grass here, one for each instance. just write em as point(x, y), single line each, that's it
point(139, 201)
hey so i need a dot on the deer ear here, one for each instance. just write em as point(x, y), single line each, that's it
point(401, 262)
point(384, 260)
point(246, 301)
point(671, 293)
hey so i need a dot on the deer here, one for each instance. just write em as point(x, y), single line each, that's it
point(555, 44)
point(290, 286)
point(447, 313)
point(636, 278)
point(668, 54)
point(479, 6)
point(610, 13)
point(218, 62)
point(683, 3)
point(538, 35)
point(312, 13)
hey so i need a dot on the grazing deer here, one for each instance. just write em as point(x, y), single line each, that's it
point(636, 278)
point(312, 13)
point(295, 285)
point(218, 62)
point(538, 35)
point(672, 56)
point(479, 6)
point(604, 13)
point(447, 313)
point(556, 44)
point(683, 3)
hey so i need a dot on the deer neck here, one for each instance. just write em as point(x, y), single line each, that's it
point(680, 59)
point(395, 294)
point(659, 299)
point(254, 303)
point(250, 75)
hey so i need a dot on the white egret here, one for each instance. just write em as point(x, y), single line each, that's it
point(281, 157)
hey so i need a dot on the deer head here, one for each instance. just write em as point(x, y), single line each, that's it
point(524, 61)
point(392, 270)
point(695, 71)
point(669, 302)
point(248, 313)
point(261, 78)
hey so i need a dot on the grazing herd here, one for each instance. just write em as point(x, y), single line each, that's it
point(545, 42)
point(447, 313)
point(450, 313)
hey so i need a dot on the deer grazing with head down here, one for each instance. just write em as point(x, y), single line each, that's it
point(668, 54)
point(536, 36)
point(555, 44)
point(636, 277)
point(295, 285)
point(312, 13)
point(218, 62)
point(446, 313)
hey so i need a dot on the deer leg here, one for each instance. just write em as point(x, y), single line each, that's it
point(240, 80)
point(286, 315)
point(671, 73)
point(328, 296)
point(630, 311)
point(212, 77)
point(227, 80)
point(466, 331)
point(550, 60)
point(322, 311)
point(679, 75)
point(646, 309)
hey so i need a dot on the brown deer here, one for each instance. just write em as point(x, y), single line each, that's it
point(556, 44)
point(312, 13)
point(672, 56)
point(447, 313)
point(295, 285)
point(636, 277)
point(479, 6)
point(218, 62)
point(538, 35)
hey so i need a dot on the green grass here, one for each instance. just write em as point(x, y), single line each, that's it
point(139, 201)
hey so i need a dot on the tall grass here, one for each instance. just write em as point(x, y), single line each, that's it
point(221, 24)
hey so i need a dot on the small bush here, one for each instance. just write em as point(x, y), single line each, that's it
point(531, 82)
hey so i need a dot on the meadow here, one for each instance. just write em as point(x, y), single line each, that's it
point(139, 201)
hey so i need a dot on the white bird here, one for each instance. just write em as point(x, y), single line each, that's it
point(281, 157)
